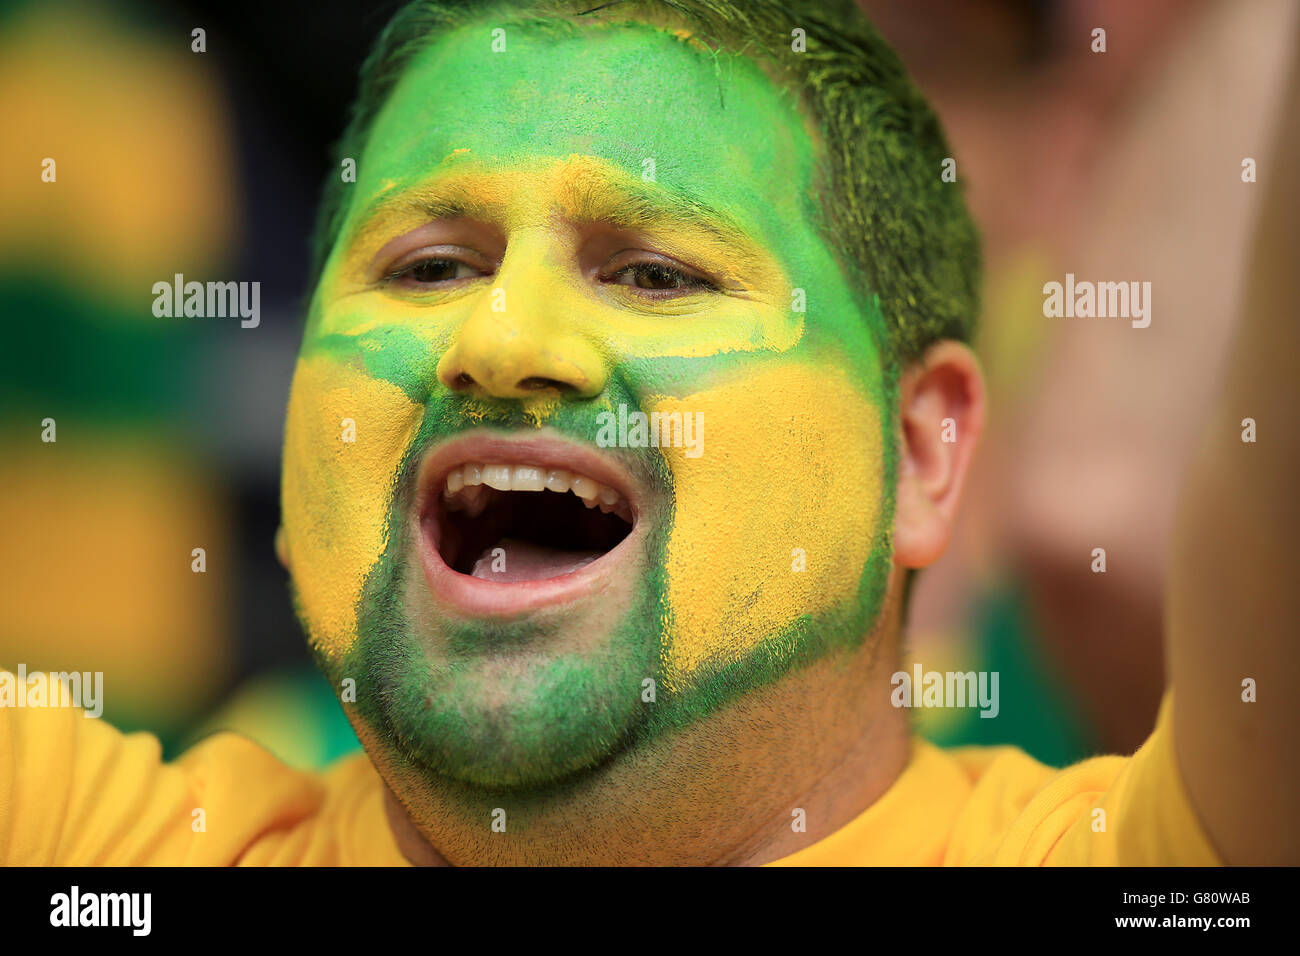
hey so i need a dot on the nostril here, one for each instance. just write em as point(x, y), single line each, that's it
point(463, 380)
point(536, 384)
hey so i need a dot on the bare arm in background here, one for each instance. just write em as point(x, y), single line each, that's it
point(1233, 597)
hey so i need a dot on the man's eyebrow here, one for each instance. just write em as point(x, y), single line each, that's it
point(648, 209)
point(632, 207)
point(439, 201)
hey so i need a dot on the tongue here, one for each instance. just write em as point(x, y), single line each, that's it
point(525, 561)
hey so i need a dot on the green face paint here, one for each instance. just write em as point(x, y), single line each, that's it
point(764, 552)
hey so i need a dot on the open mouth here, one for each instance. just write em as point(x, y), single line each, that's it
point(508, 523)
point(512, 525)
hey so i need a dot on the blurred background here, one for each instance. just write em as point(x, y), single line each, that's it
point(1122, 165)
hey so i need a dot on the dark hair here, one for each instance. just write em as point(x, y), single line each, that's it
point(900, 231)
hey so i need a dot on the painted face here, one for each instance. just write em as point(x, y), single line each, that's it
point(585, 436)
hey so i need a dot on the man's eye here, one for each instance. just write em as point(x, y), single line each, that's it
point(434, 270)
point(657, 277)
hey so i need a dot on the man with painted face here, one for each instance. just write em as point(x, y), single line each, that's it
point(631, 393)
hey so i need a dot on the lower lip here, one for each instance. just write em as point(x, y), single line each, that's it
point(476, 597)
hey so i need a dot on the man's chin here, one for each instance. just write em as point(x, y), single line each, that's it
point(524, 720)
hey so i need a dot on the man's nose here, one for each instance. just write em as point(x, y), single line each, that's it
point(518, 342)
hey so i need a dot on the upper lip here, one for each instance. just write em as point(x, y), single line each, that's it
point(544, 452)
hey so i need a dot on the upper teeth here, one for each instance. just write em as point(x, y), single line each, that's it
point(463, 491)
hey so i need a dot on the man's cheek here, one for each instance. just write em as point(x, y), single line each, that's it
point(345, 438)
point(776, 516)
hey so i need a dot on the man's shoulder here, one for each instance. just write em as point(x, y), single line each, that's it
point(330, 817)
point(76, 791)
point(1016, 805)
point(1000, 806)
point(1126, 810)
point(1006, 777)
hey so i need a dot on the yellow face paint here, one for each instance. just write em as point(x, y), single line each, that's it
point(777, 474)
point(538, 190)
point(337, 492)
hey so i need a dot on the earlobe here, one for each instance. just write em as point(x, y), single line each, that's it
point(941, 416)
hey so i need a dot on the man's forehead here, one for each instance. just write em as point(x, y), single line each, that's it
point(710, 129)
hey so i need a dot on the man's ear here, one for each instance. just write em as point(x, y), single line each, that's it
point(941, 411)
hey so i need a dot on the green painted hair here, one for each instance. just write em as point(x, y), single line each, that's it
point(900, 232)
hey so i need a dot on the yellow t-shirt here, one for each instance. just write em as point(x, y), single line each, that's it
point(74, 791)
